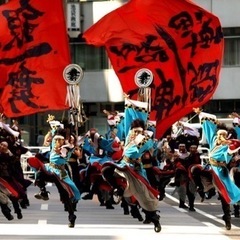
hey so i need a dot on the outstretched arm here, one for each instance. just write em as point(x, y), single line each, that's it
point(234, 115)
point(209, 125)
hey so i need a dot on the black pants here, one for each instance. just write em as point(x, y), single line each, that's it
point(108, 174)
point(225, 207)
point(42, 178)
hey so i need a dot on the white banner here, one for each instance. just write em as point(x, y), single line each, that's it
point(73, 16)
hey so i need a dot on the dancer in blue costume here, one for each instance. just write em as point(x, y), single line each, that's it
point(115, 122)
point(58, 158)
point(98, 147)
point(55, 171)
point(236, 123)
point(235, 166)
point(130, 166)
point(219, 158)
point(100, 151)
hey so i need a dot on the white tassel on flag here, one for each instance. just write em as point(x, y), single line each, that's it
point(73, 74)
point(144, 95)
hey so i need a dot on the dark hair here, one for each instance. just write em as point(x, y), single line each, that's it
point(232, 134)
point(222, 126)
point(74, 137)
point(60, 131)
point(138, 123)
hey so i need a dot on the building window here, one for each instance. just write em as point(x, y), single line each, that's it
point(89, 57)
point(232, 52)
point(231, 47)
point(222, 108)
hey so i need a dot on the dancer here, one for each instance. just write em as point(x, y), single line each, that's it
point(131, 169)
point(220, 150)
point(55, 171)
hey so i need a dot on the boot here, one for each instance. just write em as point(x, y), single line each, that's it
point(147, 218)
point(227, 213)
point(71, 219)
point(191, 200)
point(154, 218)
point(210, 193)
point(19, 215)
point(182, 204)
point(109, 204)
point(88, 196)
point(236, 210)
point(125, 207)
point(192, 209)
point(43, 194)
point(135, 213)
point(6, 212)
point(24, 203)
point(9, 216)
point(147, 221)
point(118, 195)
point(227, 220)
point(16, 207)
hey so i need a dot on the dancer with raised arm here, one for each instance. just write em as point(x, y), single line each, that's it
point(220, 155)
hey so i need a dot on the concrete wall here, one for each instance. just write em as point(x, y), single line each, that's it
point(226, 10)
point(101, 86)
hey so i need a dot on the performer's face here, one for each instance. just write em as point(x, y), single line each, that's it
point(182, 148)
point(193, 149)
point(59, 142)
point(72, 139)
point(137, 131)
point(221, 137)
point(3, 147)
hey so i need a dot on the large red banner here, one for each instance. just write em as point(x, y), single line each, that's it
point(177, 42)
point(34, 51)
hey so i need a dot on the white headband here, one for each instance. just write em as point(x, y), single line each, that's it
point(58, 137)
point(138, 129)
point(222, 131)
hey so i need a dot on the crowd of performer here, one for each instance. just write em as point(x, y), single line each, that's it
point(13, 185)
point(127, 165)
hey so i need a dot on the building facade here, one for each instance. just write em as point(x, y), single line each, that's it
point(100, 88)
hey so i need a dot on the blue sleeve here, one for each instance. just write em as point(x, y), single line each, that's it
point(209, 128)
point(237, 129)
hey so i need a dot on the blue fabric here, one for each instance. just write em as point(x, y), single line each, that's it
point(88, 147)
point(100, 160)
point(135, 152)
point(237, 129)
point(132, 114)
point(220, 154)
point(106, 144)
point(120, 129)
point(58, 160)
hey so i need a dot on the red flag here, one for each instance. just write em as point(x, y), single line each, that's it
point(34, 51)
point(175, 41)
